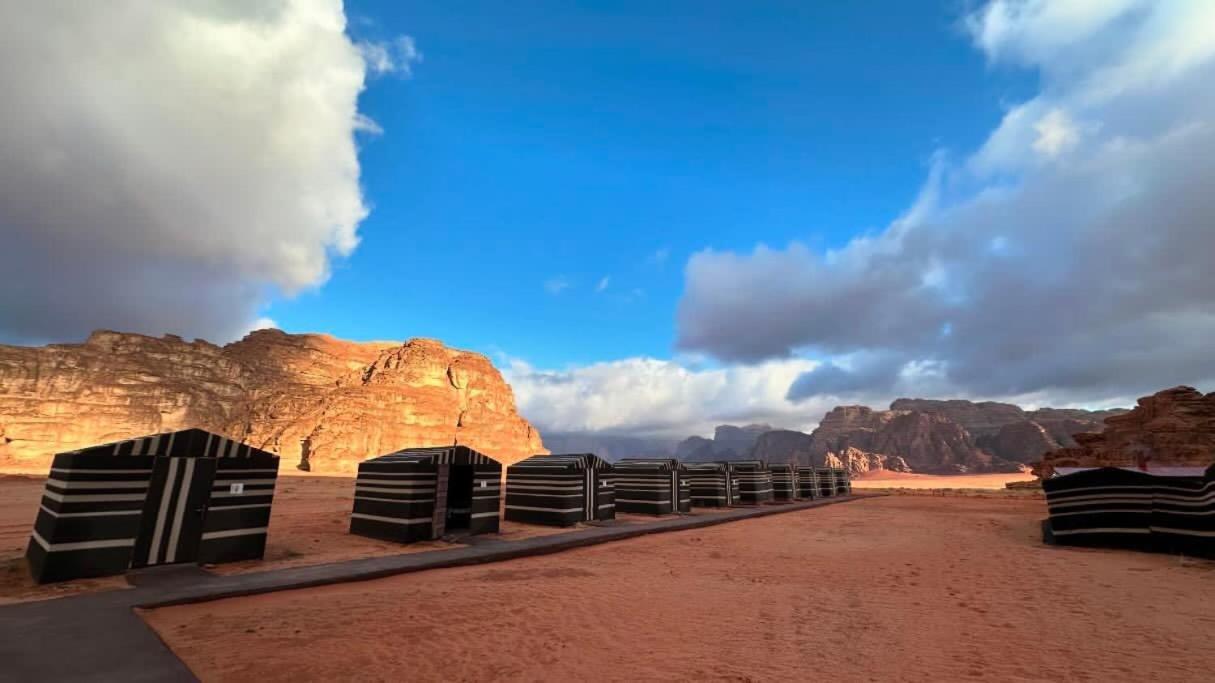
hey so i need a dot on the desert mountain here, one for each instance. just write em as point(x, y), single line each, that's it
point(729, 442)
point(321, 403)
point(610, 447)
point(1171, 427)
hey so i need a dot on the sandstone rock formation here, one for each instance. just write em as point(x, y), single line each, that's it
point(321, 403)
point(1172, 427)
point(860, 462)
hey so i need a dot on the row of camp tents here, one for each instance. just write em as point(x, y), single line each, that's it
point(193, 496)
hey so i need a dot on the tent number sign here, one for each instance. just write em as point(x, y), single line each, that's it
point(237, 488)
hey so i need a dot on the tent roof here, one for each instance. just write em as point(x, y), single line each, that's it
point(184, 443)
point(569, 461)
point(1157, 471)
point(649, 464)
point(436, 455)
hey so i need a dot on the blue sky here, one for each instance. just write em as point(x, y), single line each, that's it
point(540, 142)
point(654, 217)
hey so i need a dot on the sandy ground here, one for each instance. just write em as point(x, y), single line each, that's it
point(884, 480)
point(896, 588)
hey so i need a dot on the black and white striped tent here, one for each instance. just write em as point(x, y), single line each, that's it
point(807, 483)
point(826, 481)
point(752, 482)
point(843, 482)
point(651, 486)
point(711, 482)
point(420, 494)
point(784, 483)
point(560, 490)
point(1166, 509)
point(186, 496)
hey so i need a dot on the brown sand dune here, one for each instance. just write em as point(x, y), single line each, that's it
point(898, 588)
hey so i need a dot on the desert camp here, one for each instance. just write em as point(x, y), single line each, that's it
point(560, 490)
point(651, 486)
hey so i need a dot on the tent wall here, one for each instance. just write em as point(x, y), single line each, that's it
point(843, 482)
point(807, 483)
point(826, 481)
point(1114, 507)
point(784, 482)
point(148, 501)
point(560, 490)
point(752, 482)
point(651, 487)
point(710, 485)
point(398, 498)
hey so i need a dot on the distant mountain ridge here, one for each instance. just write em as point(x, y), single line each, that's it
point(914, 435)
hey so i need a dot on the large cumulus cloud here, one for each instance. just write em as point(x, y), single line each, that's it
point(167, 166)
point(1071, 257)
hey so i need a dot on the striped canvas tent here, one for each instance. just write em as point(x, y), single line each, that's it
point(826, 481)
point(560, 490)
point(420, 494)
point(807, 483)
point(711, 484)
point(1169, 509)
point(784, 483)
point(651, 486)
point(843, 482)
point(185, 496)
point(752, 481)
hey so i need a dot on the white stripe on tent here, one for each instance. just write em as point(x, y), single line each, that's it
point(154, 551)
point(392, 520)
point(239, 507)
point(180, 513)
point(521, 507)
point(1102, 530)
point(230, 533)
point(484, 514)
point(75, 470)
point(58, 483)
point(103, 513)
point(100, 498)
point(512, 492)
point(82, 545)
point(1187, 532)
point(646, 502)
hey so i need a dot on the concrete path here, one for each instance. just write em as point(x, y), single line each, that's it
point(99, 637)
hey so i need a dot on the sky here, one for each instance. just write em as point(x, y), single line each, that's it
point(653, 217)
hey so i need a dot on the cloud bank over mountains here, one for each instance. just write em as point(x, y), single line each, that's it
point(1070, 257)
point(169, 166)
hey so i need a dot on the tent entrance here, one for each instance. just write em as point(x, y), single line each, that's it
point(459, 497)
point(172, 521)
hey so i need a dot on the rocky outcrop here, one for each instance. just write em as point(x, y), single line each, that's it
point(860, 462)
point(925, 442)
point(1021, 442)
point(319, 402)
point(1172, 427)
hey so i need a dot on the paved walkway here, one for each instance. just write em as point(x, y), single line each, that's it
point(98, 637)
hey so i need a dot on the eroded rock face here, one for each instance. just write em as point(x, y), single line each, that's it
point(860, 462)
point(1022, 442)
point(318, 401)
point(925, 442)
point(1172, 427)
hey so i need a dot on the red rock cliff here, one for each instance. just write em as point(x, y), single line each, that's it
point(319, 402)
point(1171, 427)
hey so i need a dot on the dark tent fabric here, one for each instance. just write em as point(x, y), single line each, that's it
point(1162, 509)
point(651, 486)
point(826, 481)
point(712, 485)
point(184, 496)
point(784, 483)
point(560, 490)
point(420, 494)
point(752, 481)
point(843, 482)
point(807, 483)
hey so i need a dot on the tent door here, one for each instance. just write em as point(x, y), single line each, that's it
point(172, 522)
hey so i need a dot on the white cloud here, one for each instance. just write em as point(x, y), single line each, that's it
point(167, 166)
point(556, 285)
point(395, 56)
point(646, 396)
point(603, 283)
point(1070, 259)
point(263, 323)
